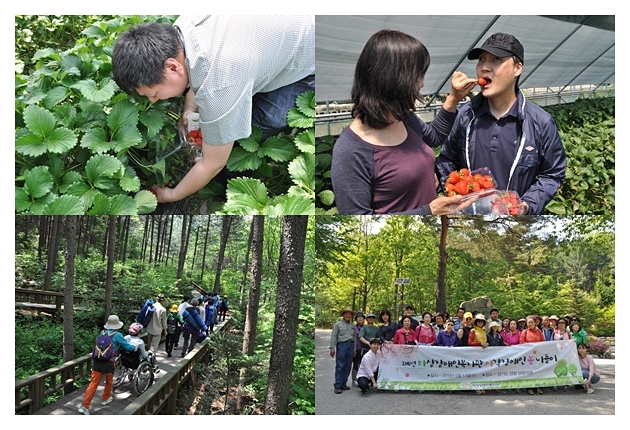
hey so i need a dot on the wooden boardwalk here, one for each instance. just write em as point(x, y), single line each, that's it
point(123, 396)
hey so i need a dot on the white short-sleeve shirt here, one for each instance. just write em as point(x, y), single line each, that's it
point(231, 58)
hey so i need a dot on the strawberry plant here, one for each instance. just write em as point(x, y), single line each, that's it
point(82, 146)
point(293, 153)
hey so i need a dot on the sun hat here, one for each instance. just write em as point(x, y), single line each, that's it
point(359, 314)
point(346, 309)
point(553, 317)
point(135, 328)
point(495, 324)
point(500, 45)
point(113, 323)
point(160, 297)
point(174, 308)
point(371, 315)
point(522, 319)
point(480, 317)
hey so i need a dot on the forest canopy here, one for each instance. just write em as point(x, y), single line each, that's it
point(546, 265)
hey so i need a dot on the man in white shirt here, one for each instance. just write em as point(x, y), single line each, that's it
point(234, 71)
point(368, 370)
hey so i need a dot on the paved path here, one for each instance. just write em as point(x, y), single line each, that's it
point(352, 402)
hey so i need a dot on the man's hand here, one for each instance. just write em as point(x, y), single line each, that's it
point(332, 353)
point(460, 87)
point(213, 160)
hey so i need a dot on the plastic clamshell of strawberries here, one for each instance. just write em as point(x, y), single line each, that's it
point(483, 171)
point(495, 202)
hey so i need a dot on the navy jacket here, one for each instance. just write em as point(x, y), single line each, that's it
point(540, 163)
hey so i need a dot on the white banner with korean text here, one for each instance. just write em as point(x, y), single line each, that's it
point(542, 364)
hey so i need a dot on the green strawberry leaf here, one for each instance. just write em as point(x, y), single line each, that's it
point(100, 204)
point(305, 103)
point(245, 196)
point(55, 96)
point(65, 205)
point(130, 181)
point(278, 149)
point(291, 205)
point(302, 171)
point(38, 182)
point(146, 201)
point(153, 120)
point(91, 90)
point(327, 197)
point(305, 141)
point(123, 205)
point(295, 118)
point(100, 168)
point(22, 202)
point(241, 160)
point(96, 141)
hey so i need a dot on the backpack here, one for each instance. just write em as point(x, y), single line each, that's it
point(145, 314)
point(171, 324)
point(104, 348)
point(224, 305)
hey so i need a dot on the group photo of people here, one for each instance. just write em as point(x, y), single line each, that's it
point(356, 339)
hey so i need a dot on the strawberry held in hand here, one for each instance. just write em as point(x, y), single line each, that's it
point(482, 82)
point(507, 203)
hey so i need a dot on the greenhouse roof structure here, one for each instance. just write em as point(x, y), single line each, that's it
point(560, 50)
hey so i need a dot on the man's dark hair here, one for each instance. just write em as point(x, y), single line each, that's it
point(461, 309)
point(139, 55)
point(387, 77)
point(375, 340)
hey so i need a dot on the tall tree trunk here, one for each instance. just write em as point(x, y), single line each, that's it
point(246, 265)
point(440, 284)
point(170, 238)
point(53, 246)
point(182, 249)
point(205, 248)
point(255, 275)
point(43, 236)
point(112, 222)
point(145, 238)
point(256, 235)
point(290, 279)
point(125, 241)
point(225, 232)
point(70, 224)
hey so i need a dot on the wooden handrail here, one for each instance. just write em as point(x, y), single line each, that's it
point(31, 392)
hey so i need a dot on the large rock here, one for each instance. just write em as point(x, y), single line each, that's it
point(480, 304)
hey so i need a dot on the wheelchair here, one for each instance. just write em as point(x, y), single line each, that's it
point(139, 372)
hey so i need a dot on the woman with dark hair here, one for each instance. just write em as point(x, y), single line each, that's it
point(511, 336)
point(382, 162)
point(387, 330)
point(577, 333)
point(425, 331)
point(589, 371)
point(405, 335)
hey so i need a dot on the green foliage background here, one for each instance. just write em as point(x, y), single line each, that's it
point(587, 130)
point(84, 147)
point(545, 265)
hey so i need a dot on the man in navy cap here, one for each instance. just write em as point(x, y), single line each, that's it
point(501, 130)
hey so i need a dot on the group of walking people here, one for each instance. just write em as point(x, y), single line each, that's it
point(195, 318)
point(356, 339)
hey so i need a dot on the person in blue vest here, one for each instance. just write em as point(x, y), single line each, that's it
point(105, 368)
point(211, 314)
point(193, 327)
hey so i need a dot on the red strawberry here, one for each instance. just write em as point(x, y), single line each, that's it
point(453, 177)
point(482, 82)
point(461, 188)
